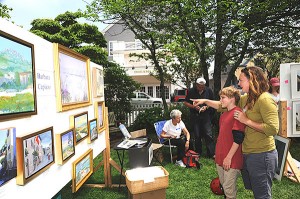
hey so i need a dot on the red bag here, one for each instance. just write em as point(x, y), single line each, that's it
point(191, 159)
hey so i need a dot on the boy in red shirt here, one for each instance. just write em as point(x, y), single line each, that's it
point(229, 158)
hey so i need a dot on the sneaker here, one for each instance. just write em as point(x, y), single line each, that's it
point(179, 163)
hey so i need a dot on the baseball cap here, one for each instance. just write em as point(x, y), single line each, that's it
point(201, 80)
point(274, 81)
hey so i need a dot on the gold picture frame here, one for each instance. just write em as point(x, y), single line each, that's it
point(80, 124)
point(99, 107)
point(35, 154)
point(72, 78)
point(92, 130)
point(82, 169)
point(98, 82)
point(65, 146)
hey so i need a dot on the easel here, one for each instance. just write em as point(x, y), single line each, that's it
point(283, 132)
point(107, 161)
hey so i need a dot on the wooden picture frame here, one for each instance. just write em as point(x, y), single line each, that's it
point(93, 130)
point(99, 114)
point(295, 81)
point(82, 169)
point(80, 124)
point(296, 117)
point(35, 154)
point(8, 155)
point(17, 82)
point(72, 78)
point(65, 146)
point(282, 146)
point(98, 82)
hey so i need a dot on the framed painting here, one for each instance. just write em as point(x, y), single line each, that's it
point(82, 169)
point(65, 146)
point(282, 147)
point(98, 82)
point(296, 117)
point(72, 80)
point(100, 113)
point(35, 154)
point(8, 157)
point(80, 124)
point(295, 81)
point(17, 78)
point(93, 130)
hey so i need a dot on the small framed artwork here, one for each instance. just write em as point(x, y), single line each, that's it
point(282, 146)
point(296, 117)
point(17, 78)
point(98, 82)
point(100, 114)
point(35, 154)
point(80, 124)
point(295, 80)
point(93, 130)
point(82, 169)
point(8, 157)
point(71, 78)
point(65, 146)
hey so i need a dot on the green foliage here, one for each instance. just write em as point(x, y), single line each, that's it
point(118, 88)
point(4, 11)
point(67, 31)
point(147, 118)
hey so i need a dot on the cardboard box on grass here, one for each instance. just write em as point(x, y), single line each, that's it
point(148, 179)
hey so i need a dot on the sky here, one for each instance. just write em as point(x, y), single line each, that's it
point(25, 11)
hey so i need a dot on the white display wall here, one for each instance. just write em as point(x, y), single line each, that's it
point(290, 92)
point(48, 183)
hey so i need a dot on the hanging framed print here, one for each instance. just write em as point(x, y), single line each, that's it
point(82, 169)
point(98, 82)
point(100, 114)
point(65, 146)
point(35, 154)
point(8, 155)
point(17, 78)
point(295, 80)
point(93, 130)
point(296, 117)
point(80, 124)
point(72, 80)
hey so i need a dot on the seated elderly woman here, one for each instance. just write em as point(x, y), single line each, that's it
point(172, 129)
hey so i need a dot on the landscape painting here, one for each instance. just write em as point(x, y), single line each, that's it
point(82, 169)
point(93, 130)
point(80, 124)
point(17, 78)
point(72, 78)
point(65, 146)
point(8, 159)
point(98, 82)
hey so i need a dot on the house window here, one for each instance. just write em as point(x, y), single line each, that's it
point(111, 47)
point(150, 91)
point(143, 89)
point(167, 92)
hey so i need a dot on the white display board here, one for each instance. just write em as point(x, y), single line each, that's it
point(290, 92)
point(48, 183)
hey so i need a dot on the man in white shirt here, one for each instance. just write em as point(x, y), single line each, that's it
point(172, 130)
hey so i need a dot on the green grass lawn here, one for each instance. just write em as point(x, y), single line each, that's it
point(183, 183)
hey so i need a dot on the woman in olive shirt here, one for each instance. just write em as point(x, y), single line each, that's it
point(261, 119)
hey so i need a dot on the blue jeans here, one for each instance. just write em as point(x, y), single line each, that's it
point(258, 172)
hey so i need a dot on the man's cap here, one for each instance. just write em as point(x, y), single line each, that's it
point(201, 80)
point(274, 81)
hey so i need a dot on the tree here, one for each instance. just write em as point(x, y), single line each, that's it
point(223, 31)
point(66, 30)
point(4, 11)
point(118, 90)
